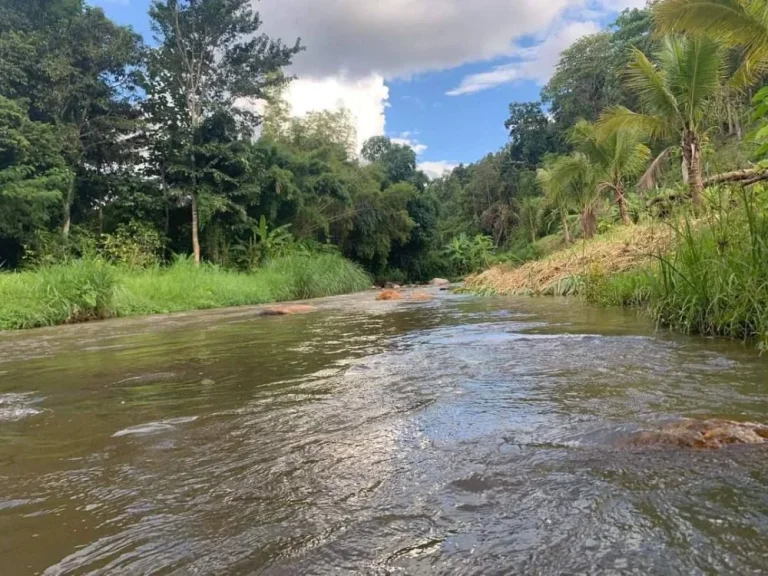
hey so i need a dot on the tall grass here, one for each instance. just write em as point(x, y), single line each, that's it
point(714, 282)
point(89, 289)
point(76, 291)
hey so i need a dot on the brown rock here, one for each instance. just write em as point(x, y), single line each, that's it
point(702, 434)
point(439, 282)
point(421, 296)
point(289, 310)
point(389, 295)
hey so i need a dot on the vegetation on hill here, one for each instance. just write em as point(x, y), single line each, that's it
point(118, 157)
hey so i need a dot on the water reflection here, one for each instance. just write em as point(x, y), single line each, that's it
point(460, 435)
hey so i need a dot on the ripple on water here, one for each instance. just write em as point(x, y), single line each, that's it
point(17, 406)
point(154, 427)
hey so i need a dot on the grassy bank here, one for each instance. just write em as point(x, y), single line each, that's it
point(564, 272)
point(714, 283)
point(91, 289)
point(705, 276)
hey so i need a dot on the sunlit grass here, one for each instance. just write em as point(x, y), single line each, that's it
point(714, 283)
point(91, 289)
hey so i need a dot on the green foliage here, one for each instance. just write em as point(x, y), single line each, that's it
point(90, 288)
point(33, 172)
point(135, 245)
point(716, 282)
point(467, 254)
point(737, 23)
point(75, 291)
point(263, 246)
point(47, 248)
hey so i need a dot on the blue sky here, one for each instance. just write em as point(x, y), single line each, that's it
point(436, 74)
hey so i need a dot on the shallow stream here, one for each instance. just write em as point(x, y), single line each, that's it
point(457, 436)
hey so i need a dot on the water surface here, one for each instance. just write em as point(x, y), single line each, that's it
point(457, 436)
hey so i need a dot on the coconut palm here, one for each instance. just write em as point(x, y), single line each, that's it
point(556, 194)
point(674, 96)
point(528, 214)
point(617, 156)
point(735, 23)
point(573, 179)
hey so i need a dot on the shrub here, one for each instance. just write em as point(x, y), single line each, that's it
point(135, 245)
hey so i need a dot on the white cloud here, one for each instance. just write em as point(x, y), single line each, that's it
point(406, 139)
point(397, 38)
point(436, 169)
point(366, 99)
point(354, 46)
point(535, 63)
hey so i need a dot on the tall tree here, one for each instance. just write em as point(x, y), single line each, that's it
point(532, 134)
point(71, 65)
point(673, 97)
point(584, 82)
point(398, 160)
point(573, 178)
point(213, 57)
point(33, 174)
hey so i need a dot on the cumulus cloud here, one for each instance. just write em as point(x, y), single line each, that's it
point(396, 38)
point(436, 169)
point(365, 98)
point(354, 46)
point(534, 63)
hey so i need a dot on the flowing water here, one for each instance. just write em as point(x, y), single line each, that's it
point(457, 436)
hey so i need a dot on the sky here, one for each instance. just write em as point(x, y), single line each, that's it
point(438, 75)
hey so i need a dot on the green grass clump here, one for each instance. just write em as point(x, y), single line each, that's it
point(76, 291)
point(89, 289)
point(716, 281)
point(626, 289)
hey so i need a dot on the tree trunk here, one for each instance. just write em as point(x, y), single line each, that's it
point(621, 201)
point(68, 198)
point(195, 237)
point(564, 224)
point(692, 158)
point(588, 223)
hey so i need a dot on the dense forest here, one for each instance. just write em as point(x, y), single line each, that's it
point(145, 152)
point(148, 148)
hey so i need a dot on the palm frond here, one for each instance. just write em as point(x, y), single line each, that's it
point(654, 171)
point(650, 85)
point(621, 118)
point(732, 22)
point(735, 23)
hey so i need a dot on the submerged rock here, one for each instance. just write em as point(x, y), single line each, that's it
point(289, 310)
point(439, 282)
point(421, 296)
point(389, 295)
point(703, 434)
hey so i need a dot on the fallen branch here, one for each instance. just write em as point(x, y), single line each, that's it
point(751, 175)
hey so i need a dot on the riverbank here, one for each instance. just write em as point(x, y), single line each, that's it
point(707, 277)
point(91, 289)
point(564, 272)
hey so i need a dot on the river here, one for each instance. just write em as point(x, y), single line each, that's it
point(458, 436)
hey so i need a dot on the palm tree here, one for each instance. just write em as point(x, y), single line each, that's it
point(556, 193)
point(617, 156)
point(735, 23)
point(528, 214)
point(569, 179)
point(674, 96)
